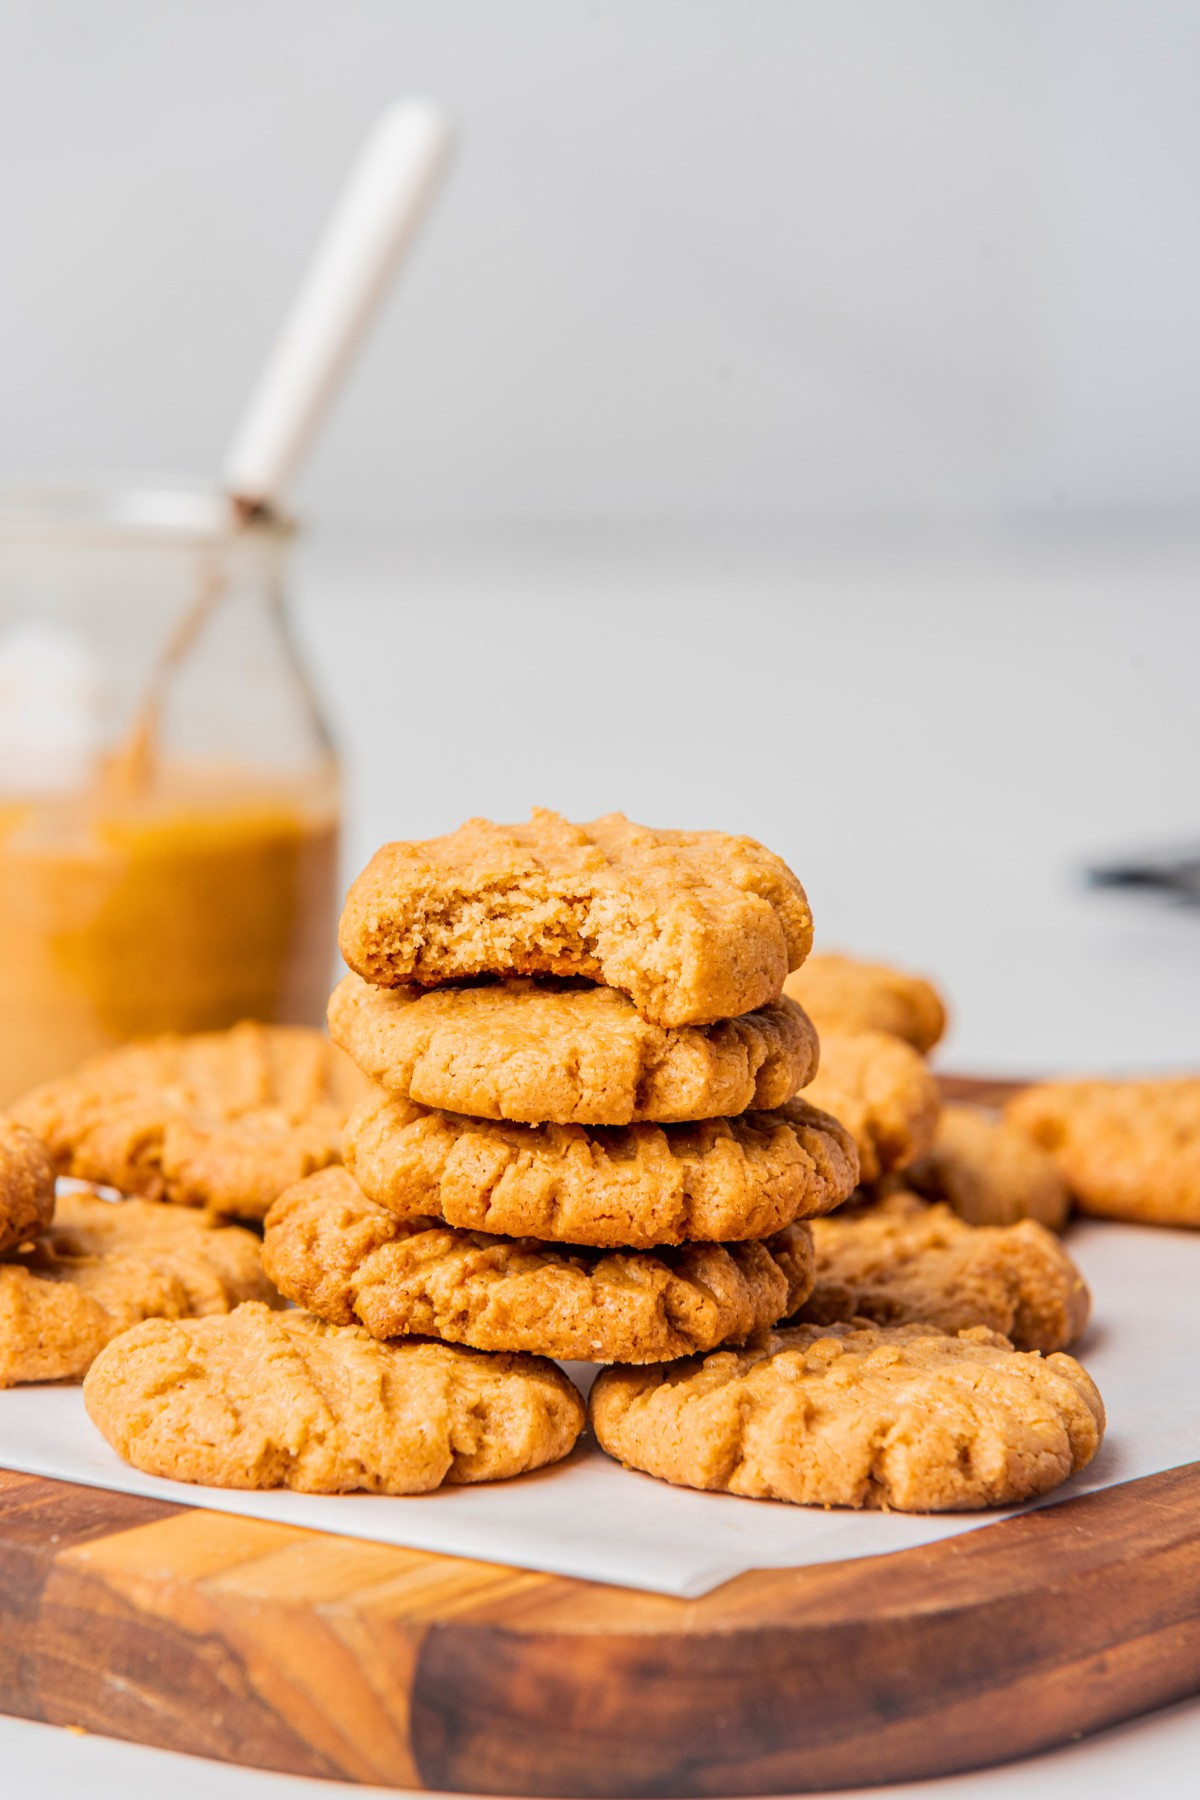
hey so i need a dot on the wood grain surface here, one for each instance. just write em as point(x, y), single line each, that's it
point(292, 1650)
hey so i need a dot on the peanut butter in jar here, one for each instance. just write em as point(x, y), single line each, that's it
point(168, 798)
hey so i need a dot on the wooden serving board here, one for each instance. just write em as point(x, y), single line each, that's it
point(324, 1656)
point(260, 1643)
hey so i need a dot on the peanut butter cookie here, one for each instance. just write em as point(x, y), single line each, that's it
point(694, 926)
point(105, 1265)
point(261, 1399)
point(567, 1053)
point(350, 1260)
point(839, 993)
point(222, 1119)
point(989, 1172)
point(884, 1094)
point(857, 1415)
point(621, 1187)
point(1127, 1149)
point(26, 1184)
point(921, 1265)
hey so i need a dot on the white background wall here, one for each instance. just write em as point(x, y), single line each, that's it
point(699, 256)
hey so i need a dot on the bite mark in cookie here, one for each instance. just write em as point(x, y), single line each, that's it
point(694, 926)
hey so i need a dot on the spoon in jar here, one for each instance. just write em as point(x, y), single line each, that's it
point(373, 224)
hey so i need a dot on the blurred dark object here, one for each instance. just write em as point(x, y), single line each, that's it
point(1174, 873)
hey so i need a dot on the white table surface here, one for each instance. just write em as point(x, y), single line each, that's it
point(1158, 1757)
point(937, 734)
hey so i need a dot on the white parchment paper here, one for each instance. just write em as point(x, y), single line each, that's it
point(587, 1517)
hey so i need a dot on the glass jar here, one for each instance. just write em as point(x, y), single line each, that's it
point(169, 802)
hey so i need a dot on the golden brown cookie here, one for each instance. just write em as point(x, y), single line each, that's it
point(989, 1172)
point(925, 1267)
point(350, 1260)
point(840, 993)
point(615, 1187)
point(567, 1053)
point(262, 1399)
point(857, 1415)
point(223, 1119)
point(1127, 1149)
point(694, 926)
point(26, 1185)
point(884, 1094)
point(105, 1265)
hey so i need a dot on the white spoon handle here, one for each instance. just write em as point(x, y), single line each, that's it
point(373, 223)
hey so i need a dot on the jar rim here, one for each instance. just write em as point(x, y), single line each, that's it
point(129, 512)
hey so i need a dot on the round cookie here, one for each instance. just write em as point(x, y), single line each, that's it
point(694, 926)
point(884, 1094)
point(989, 1173)
point(350, 1260)
point(920, 1265)
point(26, 1185)
point(262, 1399)
point(222, 1119)
point(105, 1265)
point(567, 1054)
point(905, 1418)
point(1126, 1149)
point(840, 993)
point(614, 1187)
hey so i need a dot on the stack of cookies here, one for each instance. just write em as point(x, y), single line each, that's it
point(584, 1139)
point(572, 1076)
